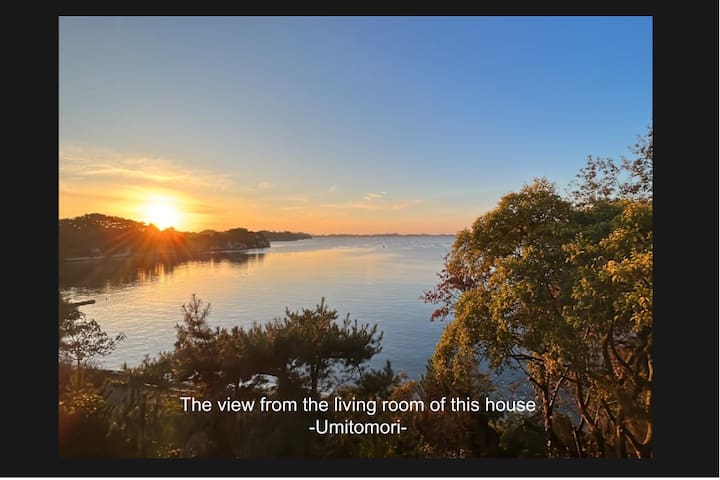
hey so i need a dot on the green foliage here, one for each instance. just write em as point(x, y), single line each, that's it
point(602, 180)
point(378, 385)
point(562, 290)
point(82, 340)
point(306, 350)
point(523, 436)
point(83, 415)
point(460, 434)
point(315, 347)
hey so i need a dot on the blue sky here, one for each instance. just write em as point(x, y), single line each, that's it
point(345, 125)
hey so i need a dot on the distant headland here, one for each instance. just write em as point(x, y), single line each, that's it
point(98, 236)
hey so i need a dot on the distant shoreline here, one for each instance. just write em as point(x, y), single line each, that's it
point(231, 251)
point(186, 255)
point(343, 235)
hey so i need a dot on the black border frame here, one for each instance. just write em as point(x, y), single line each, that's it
point(686, 323)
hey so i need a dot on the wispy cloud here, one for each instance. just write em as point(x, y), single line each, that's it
point(371, 201)
point(399, 205)
point(81, 163)
point(374, 196)
point(293, 208)
point(101, 180)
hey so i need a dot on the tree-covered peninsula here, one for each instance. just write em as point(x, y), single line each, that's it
point(97, 235)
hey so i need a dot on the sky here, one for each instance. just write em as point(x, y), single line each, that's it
point(339, 124)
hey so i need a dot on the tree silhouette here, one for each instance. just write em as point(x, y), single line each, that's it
point(82, 340)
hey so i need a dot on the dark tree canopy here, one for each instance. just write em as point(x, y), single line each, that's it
point(306, 349)
point(97, 235)
point(82, 340)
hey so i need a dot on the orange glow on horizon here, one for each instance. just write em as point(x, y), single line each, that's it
point(194, 213)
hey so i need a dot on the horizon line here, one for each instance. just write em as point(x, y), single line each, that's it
point(386, 234)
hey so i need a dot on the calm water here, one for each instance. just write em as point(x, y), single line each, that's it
point(375, 279)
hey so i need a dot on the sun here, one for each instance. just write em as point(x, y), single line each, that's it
point(162, 212)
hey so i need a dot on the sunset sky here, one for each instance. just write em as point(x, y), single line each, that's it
point(338, 125)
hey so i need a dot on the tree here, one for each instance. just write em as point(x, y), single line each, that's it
point(314, 346)
point(83, 412)
point(603, 180)
point(82, 340)
point(513, 273)
point(612, 368)
point(307, 352)
point(305, 348)
point(612, 294)
point(68, 314)
point(562, 290)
